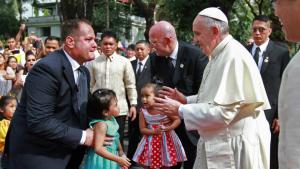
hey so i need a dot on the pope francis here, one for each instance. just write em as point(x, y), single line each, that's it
point(228, 109)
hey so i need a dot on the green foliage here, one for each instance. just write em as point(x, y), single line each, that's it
point(8, 22)
point(119, 18)
point(181, 14)
point(46, 12)
point(240, 21)
point(242, 15)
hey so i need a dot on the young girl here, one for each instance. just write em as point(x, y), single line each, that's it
point(17, 84)
point(102, 108)
point(160, 147)
point(8, 106)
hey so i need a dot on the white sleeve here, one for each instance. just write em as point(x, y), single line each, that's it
point(191, 99)
point(208, 116)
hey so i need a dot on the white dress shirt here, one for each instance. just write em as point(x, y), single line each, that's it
point(263, 48)
point(75, 65)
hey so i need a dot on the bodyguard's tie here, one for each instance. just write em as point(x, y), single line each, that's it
point(82, 95)
point(139, 71)
point(256, 55)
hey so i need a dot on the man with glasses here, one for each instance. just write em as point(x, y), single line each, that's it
point(288, 12)
point(177, 65)
point(271, 58)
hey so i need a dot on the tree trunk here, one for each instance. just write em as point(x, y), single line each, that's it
point(71, 9)
point(147, 11)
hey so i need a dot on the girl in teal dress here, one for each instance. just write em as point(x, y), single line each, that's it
point(102, 107)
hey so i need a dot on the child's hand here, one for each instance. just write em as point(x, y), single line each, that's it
point(158, 131)
point(166, 128)
point(124, 162)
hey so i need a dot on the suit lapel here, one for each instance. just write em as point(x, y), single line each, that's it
point(266, 57)
point(180, 63)
point(146, 67)
point(134, 66)
point(69, 76)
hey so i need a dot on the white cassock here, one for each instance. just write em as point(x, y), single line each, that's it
point(228, 112)
point(289, 116)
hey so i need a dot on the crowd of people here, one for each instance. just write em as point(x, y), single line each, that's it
point(212, 104)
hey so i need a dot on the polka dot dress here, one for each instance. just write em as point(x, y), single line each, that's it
point(156, 151)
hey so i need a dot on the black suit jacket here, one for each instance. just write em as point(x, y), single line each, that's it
point(275, 59)
point(47, 125)
point(188, 72)
point(144, 78)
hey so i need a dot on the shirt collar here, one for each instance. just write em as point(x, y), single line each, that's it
point(263, 46)
point(175, 52)
point(75, 65)
point(143, 61)
point(111, 57)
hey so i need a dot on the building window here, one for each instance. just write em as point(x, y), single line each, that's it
point(46, 31)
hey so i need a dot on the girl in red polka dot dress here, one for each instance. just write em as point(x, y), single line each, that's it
point(160, 147)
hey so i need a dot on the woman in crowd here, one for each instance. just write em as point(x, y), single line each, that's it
point(6, 76)
point(30, 61)
point(17, 82)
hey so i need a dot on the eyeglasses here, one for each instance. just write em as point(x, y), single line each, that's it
point(154, 43)
point(260, 29)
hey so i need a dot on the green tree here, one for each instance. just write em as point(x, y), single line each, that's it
point(244, 11)
point(181, 13)
point(8, 23)
point(146, 9)
point(113, 16)
point(71, 9)
point(242, 15)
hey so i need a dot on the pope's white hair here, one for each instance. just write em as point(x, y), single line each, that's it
point(211, 22)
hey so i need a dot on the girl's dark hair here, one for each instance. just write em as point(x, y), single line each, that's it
point(29, 53)
point(99, 102)
point(156, 87)
point(5, 100)
point(11, 57)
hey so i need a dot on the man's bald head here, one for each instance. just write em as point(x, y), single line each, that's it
point(162, 37)
point(164, 28)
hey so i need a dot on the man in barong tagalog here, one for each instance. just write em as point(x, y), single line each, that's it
point(228, 111)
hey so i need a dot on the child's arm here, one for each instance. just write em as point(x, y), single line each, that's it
point(99, 134)
point(143, 126)
point(175, 123)
point(120, 150)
